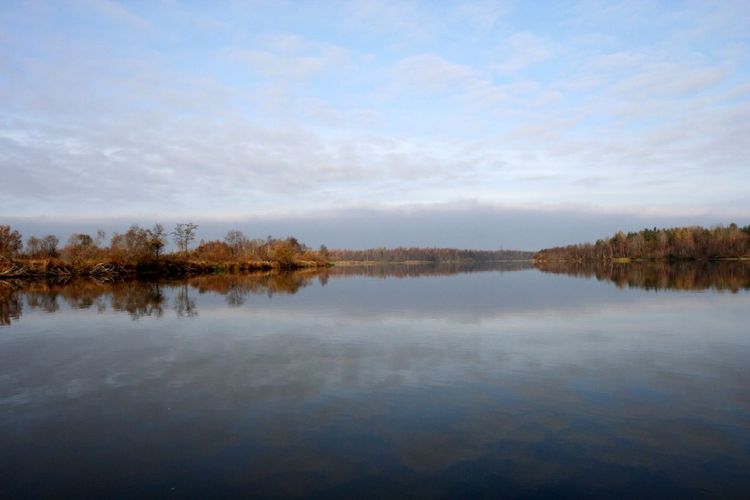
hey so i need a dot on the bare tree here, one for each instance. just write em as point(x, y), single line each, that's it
point(100, 235)
point(183, 234)
point(158, 238)
point(133, 245)
point(34, 247)
point(49, 245)
point(42, 247)
point(237, 242)
point(10, 241)
point(82, 246)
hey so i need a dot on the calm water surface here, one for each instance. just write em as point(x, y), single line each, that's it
point(433, 382)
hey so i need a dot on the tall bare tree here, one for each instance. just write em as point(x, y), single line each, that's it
point(184, 234)
point(42, 247)
point(157, 240)
point(236, 241)
point(10, 241)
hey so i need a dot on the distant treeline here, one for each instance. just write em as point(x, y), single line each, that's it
point(395, 270)
point(678, 243)
point(415, 254)
point(140, 250)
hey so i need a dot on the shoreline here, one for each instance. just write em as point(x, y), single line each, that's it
point(35, 269)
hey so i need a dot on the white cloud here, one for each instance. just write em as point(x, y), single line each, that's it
point(476, 89)
point(115, 11)
point(401, 19)
point(522, 50)
point(670, 80)
point(481, 16)
point(618, 61)
point(289, 57)
point(434, 73)
point(404, 102)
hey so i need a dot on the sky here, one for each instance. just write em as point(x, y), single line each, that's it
point(376, 123)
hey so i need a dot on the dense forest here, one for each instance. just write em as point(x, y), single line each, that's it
point(679, 243)
point(414, 254)
point(142, 251)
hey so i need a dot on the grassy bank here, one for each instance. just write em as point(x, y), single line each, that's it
point(36, 268)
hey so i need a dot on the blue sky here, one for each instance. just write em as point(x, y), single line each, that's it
point(246, 113)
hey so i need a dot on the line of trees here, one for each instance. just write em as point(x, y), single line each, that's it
point(139, 245)
point(406, 254)
point(678, 243)
point(237, 247)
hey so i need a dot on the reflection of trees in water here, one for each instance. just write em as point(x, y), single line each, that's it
point(184, 304)
point(237, 287)
point(733, 276)
point(141, 298)
point(138, 299)
point(45, 300)
point(396, 270)
point(79, 294)
point(235, 297)
point(10, 302)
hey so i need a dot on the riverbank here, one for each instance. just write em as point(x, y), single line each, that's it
point(167, 268)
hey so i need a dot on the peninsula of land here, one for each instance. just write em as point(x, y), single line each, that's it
point(142, 252)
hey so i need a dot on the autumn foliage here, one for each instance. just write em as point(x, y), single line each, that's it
point(141, 251)
point(679, 243)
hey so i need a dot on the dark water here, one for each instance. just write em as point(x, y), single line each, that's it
point(435, 382)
